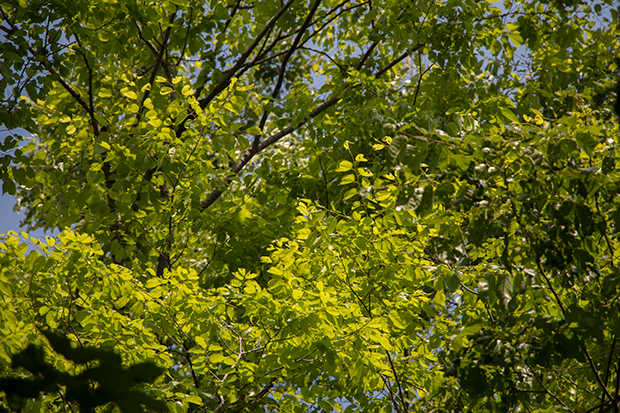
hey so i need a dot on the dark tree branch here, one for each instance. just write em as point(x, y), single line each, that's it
point(78, 98)
point(362, 61)
point(189, 26)
point(8, 31)
point(400, 389)
point(616, 401)
point(608, 368)
point(91, 102)
point(342, 68)
point(224, 82)
point(327, 22)
point(233, 12)
point(389, 388)
point(557, 399)
point(262, 49)
point(155, 51)
point(598, 377)
point(250, 152)
point(158, 62)
point(291, 50)
point(254, 149)
point(600, 406)
point(324, 182)
point(74, 93)
point(420, 75)
point(148, 43)
point(557, 297)
point(396, 61)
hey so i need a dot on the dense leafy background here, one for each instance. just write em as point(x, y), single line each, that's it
point(291, 206)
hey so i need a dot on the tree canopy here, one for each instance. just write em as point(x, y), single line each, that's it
point(295, 206)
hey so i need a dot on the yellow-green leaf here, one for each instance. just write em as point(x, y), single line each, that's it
point(344, 166)
point(510, 115)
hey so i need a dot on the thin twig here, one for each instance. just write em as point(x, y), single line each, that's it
point(557, 298)
point(400, 389)
point(598, 377)
point(546, 390)
point(389, 387)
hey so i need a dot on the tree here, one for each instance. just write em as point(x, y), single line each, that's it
point(370, 205)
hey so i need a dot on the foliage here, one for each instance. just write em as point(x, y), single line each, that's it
point(370, 206)
point(112, 382)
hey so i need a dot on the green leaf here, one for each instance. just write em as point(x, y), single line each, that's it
point(504, 287)
point(101, 147)
point(586, 142)
point(344, 166)
point(129, 93)
point(510, 115)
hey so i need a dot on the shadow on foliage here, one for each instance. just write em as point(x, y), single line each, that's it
point(100, 383)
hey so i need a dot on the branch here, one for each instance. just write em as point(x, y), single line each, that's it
point(372, 47)
point(609, 247)
point(334, 17)
point(79, 99)
point(598, 377)
point(598, 406)
point(325, 183)
point(400, 389)
point(232, 15)
point(68, 87)
point(611, 353)
point(616, 401)
point(158, 61)
point(91, 101)
point(557, 298)
point(396, 61)
point(387, 384)
point(547, 391)
point(226, 79)
point(291, 50)
point(189, 26)
point(155, 51)
point(254, 149)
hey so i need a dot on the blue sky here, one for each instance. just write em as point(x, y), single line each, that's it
point(9, 220)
